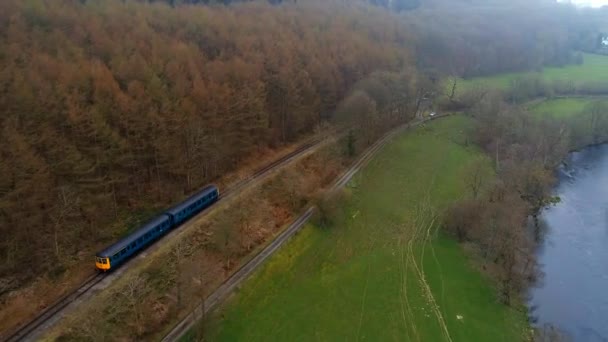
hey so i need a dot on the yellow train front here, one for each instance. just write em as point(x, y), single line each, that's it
point(102, 264)
point(118, 253)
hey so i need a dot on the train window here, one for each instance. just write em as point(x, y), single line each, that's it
point(104, 260)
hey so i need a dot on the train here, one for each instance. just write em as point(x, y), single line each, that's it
point(118, 253)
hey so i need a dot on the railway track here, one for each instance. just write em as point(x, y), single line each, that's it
point(372, 150)
point(246, 270)
point(240, 185)
point(55, 308)
point(236, 279)
point(50, 315)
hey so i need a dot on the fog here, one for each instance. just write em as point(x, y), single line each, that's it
point(589, 3)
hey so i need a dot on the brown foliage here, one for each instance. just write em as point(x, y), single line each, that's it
point(181, 276)
point(464, 219)
point(113, 108)
point(524, 151)
point(498, 227)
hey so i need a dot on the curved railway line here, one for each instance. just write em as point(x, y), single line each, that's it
point(51, 314)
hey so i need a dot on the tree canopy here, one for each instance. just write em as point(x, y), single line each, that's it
point(110, 110)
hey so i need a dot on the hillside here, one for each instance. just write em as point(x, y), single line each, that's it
point(103, 123)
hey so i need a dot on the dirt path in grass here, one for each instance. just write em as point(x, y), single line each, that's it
point(423, 222)
point(406, 309)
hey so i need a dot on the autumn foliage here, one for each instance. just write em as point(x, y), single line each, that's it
point(110, 109)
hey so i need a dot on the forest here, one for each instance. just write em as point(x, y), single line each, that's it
point(111, 110)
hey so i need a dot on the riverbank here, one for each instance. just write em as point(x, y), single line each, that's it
point(573, 253)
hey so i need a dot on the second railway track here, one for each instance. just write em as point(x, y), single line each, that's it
point(32, 330)
point(248, 268)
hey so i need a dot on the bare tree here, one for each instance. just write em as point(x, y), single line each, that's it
point(477, 174)
point(179, 253)
point(131, 303)
point(66, 207)
point(197, 273)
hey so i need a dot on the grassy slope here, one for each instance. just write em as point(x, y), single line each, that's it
point(361, 279)
point(595, 68)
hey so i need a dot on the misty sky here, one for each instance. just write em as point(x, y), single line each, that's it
point(594, 3)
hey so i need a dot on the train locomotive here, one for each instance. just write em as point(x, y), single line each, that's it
point(116, 254)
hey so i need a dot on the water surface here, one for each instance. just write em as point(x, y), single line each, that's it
point(574, 255)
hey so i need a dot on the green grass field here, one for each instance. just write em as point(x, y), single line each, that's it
point(560, 108)
point(381, 272)
point(594, 68)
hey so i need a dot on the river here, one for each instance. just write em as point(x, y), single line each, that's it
point(573, 294)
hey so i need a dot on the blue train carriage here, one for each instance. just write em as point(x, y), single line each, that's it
point(119, 252)
point(193, 205)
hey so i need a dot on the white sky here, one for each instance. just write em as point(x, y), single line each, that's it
point(593, 3)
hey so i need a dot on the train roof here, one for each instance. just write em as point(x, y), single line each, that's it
point(183, 205)
point(124, 242)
